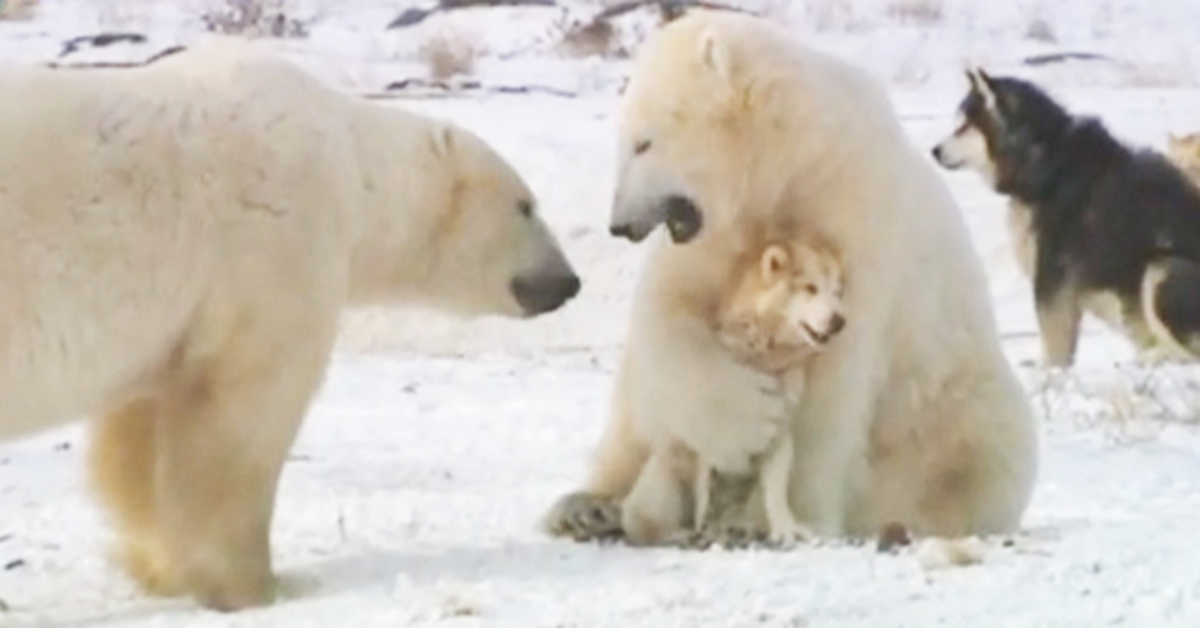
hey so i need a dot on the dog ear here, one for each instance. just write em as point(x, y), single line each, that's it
point(775, 262)
point(981, 83)
point(972, 77)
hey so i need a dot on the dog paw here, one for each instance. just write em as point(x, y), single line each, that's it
point(584, 517)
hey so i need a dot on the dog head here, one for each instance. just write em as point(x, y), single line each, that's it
point(1003, 124)
point(793, 298)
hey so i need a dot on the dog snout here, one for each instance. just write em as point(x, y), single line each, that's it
point(836, 324)
point(544, 292)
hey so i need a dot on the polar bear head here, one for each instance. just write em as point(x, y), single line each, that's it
point(456, 227)
point(712, 115)
point(494, 248)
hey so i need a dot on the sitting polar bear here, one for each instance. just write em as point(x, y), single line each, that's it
point(733, 134)
point(179, 240)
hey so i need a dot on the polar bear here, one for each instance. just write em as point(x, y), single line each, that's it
point(730, 132)
point(179, 240)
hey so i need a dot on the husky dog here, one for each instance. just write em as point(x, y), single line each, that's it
point(1102, 227)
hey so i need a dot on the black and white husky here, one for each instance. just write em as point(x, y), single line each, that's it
point(1102, 228)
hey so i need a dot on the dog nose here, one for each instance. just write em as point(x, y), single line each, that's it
point(937, 152)
point(539, 294)
point(836, 324)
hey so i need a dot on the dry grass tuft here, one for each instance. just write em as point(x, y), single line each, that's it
point(597, 38)
point(922, 12)
point(448, 55)
point(18, 10)
point(254, 18)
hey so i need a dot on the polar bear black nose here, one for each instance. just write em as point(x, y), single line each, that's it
point(546, 292)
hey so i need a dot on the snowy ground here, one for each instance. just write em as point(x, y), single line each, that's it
point(413, 494)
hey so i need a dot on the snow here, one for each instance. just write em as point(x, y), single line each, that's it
point(414, 492)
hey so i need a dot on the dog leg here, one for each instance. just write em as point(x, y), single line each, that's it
point(1021, 237)
point(1056, 296)
point(774, 474)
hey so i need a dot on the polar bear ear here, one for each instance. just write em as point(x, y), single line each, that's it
point(443, 140)
point(714, 54)
point(775, 262)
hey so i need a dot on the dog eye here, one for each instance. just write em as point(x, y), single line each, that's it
point(810, 288)
point(641, 147)
point(525, 208)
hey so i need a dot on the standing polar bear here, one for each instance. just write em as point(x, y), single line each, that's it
point(179, 240)
point(733, 134)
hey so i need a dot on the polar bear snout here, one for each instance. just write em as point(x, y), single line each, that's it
point(634, 229)
point(682, 217)
point(545, 289)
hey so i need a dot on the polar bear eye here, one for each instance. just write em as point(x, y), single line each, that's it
point(525, 207)
point(810, 288)
point(641, 147)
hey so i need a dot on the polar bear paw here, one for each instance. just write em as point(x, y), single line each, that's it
point(790, 535)
point(584, 517)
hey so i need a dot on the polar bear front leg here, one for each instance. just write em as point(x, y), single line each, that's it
point(594, 512)
point(830, 435)
point(654, 511)
point(225, 430)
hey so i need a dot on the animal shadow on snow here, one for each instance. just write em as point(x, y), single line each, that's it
point(533, 561)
